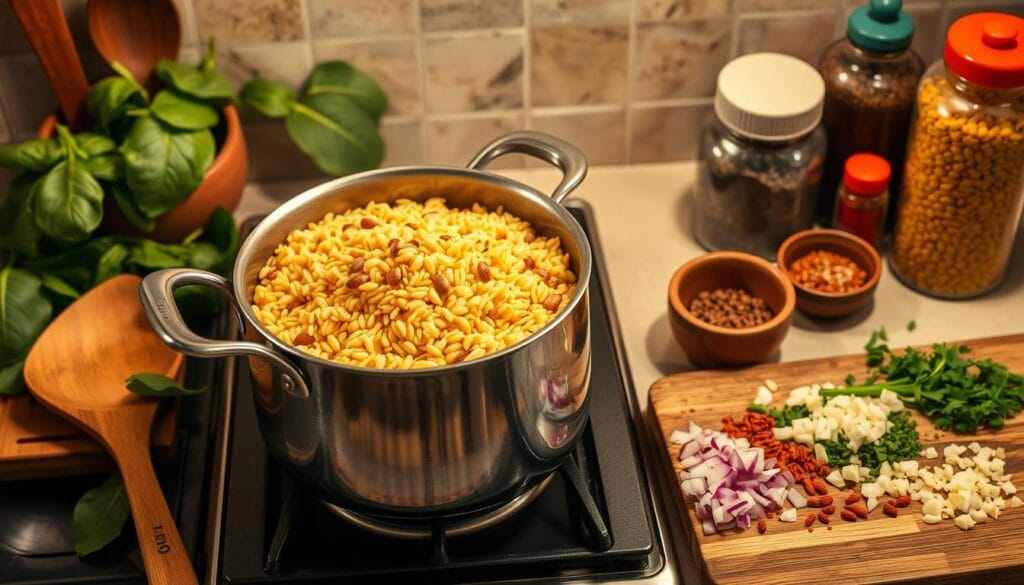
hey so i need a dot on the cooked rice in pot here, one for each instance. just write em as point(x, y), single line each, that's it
point(412, 285)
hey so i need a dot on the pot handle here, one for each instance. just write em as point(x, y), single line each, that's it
point(157, 292)
point(553, 150)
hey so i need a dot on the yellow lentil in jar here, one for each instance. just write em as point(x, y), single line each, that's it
point(962, 190)
point(412, 285)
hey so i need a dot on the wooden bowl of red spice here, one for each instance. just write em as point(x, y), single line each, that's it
point(835, 273)
point(729, 309)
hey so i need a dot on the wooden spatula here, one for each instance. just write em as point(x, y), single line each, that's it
point(78, 367)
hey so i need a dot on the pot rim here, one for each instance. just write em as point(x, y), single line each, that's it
point(326, 189)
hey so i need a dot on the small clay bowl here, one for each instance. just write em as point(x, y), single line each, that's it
point(221, 187)
point(824, 304)
point(710, 345)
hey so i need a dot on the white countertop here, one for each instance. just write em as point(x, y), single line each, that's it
point(643, 222)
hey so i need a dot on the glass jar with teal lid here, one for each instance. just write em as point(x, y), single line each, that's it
point(871, 78)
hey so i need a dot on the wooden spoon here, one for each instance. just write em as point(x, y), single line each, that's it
point(47, 30)
point(135, 34)
point(78, 368)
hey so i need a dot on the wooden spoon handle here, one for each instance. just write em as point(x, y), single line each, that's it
point(163, 553)
point(47, 30)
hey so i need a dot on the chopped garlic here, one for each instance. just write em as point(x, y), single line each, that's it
point(932, 519)
point(930, 453)
point(835, 478)
point(820, 453)
point(764, 396)
point(1015, 502)
point(872, 503)
point(788, 515)
point(964, 522)
point(771, 385)
point(978, 516)
point(851, 473)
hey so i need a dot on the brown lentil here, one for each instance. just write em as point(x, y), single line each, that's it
point(731, 308)
point(962, 189)
point(828, 272)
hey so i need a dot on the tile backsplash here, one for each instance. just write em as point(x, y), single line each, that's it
point(628, 81)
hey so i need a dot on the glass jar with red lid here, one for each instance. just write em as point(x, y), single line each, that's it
point(963, 181)
point(863, 197)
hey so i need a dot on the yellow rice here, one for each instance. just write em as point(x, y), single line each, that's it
point(445, 308)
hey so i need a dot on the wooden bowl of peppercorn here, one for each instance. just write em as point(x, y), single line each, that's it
point(835, 273)
point(729, 309)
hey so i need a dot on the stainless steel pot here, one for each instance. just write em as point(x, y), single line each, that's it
point(426, 443)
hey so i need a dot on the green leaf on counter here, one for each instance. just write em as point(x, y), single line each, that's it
point(24, 313)
point(130, 208)
point(183, 112)
point(147, 384)
point(163, 165)
point(31, 155)
point(100, 515)
point(68, 202)
point(341, 79)
point(340, 138)
point(12, 382)
point(270, 98)
point(203, 82)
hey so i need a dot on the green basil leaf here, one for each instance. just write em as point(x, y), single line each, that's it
point(163, 165)
point(18, 229)
point(31, 155)
point(100, 515)
point(340, 78)
point(146, 384)
point(183, 112)
point(68, 202)
point(95, 144)
point(340, 138)
point(111, 263)
point(11, 380)
point(109, 166)
point(222, 232)
point(58, 286)
point(203, 255)
point(24, 312)
point(75, 265)
point(130, 209)
point(150, 255)
point(109, 98)
point(204, 84)
point(270, 98)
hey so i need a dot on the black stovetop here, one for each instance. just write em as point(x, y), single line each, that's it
point(548, 540)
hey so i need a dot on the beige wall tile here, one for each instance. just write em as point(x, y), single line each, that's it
point(657, 10)
point(403, 142)
point(27, 95)
point(455, 142)
point(439, 15)
point(962, 8)
point(803, 36)
point(392, 64)
point(680, 59)
point(360, 18)
point(665, 134)
point(250, 20)
point(600, 135)
point(545, 12)
point(469, 73)
point(288, 63)
point(579, 65)
point(765, 5)
point(189, 31)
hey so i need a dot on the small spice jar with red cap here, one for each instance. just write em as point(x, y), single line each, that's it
point(963, 181)
point(863, 197)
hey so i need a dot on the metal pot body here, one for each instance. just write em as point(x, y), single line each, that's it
point(427, 443)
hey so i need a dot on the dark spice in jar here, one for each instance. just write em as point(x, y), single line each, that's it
point(731, 308)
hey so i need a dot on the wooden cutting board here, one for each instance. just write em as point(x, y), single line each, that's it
point(35, 442)
point(878, 550)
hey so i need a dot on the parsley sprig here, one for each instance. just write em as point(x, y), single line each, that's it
point(959, 393)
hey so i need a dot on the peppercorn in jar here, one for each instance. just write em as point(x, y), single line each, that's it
point(963, 184)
